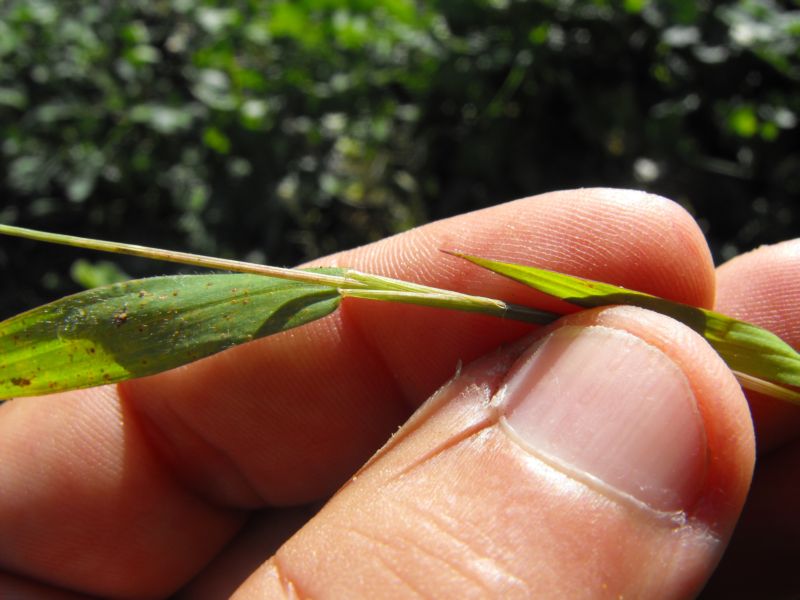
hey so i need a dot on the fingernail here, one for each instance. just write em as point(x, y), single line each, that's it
point(607, 407)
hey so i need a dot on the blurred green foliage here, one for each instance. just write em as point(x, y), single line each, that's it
point(281, 130)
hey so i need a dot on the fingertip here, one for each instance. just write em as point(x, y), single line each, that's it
point(727, 423)
point(762, 287)
point(627, 237)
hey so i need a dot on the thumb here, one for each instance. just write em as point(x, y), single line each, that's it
point(609, 458)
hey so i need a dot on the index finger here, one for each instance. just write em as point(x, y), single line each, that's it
point(305, 401)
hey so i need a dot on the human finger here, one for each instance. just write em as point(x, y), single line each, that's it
point(762, 287)
point(241, 426)
point(610, 458)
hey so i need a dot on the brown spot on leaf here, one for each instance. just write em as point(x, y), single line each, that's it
point(120, 318)
point(20, 381)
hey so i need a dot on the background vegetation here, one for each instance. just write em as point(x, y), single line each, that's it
point(284, 129)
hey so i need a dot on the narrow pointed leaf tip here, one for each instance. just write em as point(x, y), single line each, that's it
point(761, 360)
point(146, 326)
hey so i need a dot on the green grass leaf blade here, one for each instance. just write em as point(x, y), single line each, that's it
point(756, 353)
point(146, 326)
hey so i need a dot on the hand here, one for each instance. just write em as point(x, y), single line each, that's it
point(607, 455)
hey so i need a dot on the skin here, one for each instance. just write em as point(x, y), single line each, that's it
point(190, 482)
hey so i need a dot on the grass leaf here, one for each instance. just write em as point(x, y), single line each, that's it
point(762, 360)
point(142, 327)
point(145, 326)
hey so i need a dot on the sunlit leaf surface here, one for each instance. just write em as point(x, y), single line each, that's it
point(146, 326)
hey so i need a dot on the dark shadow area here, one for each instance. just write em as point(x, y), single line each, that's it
point(278, 132)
